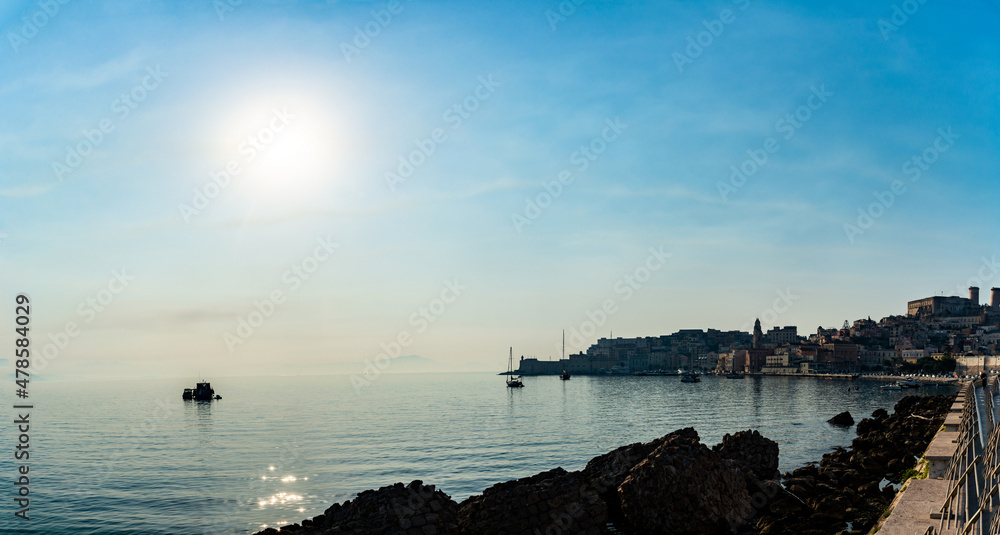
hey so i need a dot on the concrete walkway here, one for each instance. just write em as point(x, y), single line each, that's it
point(911, 515)
point(918, 505)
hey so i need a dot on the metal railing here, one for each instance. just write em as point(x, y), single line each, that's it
point(973, 497)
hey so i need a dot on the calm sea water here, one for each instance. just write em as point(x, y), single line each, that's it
point(130, 457)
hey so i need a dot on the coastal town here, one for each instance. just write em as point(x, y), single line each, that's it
point(938, 334)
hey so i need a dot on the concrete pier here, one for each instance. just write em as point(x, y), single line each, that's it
point(958, 494)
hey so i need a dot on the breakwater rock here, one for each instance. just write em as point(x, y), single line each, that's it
point(674, 484)
point(397, 510)
point(843, 419)
point(847, 486)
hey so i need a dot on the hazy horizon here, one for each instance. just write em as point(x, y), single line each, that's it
point(269, 188)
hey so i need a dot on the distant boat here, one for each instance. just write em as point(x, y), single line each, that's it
point(733, 376)
point(892, 386)
point(513, 381)
point(690, 376)
point(201, 392)
point(564, 376)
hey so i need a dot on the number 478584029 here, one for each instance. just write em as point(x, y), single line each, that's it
point(22, 352)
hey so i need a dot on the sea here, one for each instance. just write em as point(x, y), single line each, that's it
point(130, 457)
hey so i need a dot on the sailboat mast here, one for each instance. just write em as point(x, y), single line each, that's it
point(564, 344)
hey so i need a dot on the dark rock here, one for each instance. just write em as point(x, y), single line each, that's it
point(684, 487)
point(553, 501)
point(391, 510)
point(606, 472)
point(843, 419)
point(754, 453)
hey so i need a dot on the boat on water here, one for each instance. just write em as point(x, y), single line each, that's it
point(892, 386)
point(513, 381)
point(734, 376)
point(564, 376)
point(201, 392)
point(689, 376)
point(617, 369)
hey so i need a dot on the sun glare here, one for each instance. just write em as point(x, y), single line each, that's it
point(282, 152)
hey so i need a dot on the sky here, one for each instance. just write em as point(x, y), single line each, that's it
point(222, 188)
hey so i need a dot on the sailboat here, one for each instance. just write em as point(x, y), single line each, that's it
point(564, 376)
point(513, 381)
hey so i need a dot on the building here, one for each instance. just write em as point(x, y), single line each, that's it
point(938, 305)
point(782, 335)
point(533, 366)
point(913, 355)
point(869, 358)
point(839, 357)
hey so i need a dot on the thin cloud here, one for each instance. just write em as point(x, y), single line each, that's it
point(20, 192)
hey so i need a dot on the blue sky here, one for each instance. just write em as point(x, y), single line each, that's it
point(488, 106)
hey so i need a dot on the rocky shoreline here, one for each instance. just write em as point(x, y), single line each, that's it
point(855, 485)
point(674, 484)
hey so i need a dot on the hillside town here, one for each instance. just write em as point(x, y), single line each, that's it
point(937, 334)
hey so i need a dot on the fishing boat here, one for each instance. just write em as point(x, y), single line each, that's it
point(892, 386)
point(690, 378)
point(513, 381)
point(201, 392)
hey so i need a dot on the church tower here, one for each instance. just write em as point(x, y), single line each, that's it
point(758, 335)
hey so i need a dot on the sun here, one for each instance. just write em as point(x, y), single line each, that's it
point(285, 149)
point(291, 156)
